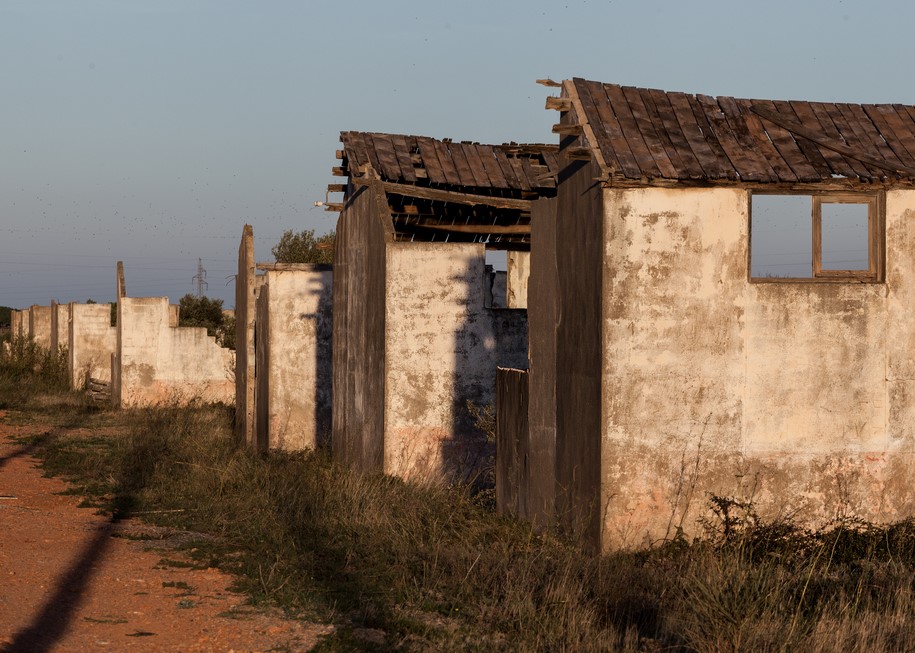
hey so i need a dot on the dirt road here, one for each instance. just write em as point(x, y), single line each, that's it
point(71, 580)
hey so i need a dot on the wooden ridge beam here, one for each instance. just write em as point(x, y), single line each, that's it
point(435, 194)
point(495, 229)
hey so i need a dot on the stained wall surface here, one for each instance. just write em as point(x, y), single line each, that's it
point(796, 397)
point(91, 342)
point(157, 363)
point(442, 348)
point(518, 274)
point(293, 351)
point(19, 323)
point(244, 338)
point(60, 325)
point(40, 325)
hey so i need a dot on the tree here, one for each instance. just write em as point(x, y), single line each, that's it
point(304, 247)
point(205, 312)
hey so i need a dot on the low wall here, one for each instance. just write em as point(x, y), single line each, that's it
point(91, 342)
point(157, 363)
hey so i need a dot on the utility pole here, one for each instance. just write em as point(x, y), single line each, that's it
point(200, 278)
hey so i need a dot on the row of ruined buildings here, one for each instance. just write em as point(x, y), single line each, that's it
point(640, 356)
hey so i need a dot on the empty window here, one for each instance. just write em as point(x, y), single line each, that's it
point(815, 237)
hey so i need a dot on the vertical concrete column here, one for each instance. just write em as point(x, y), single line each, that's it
point(244, 339)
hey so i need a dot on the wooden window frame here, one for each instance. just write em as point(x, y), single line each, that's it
point(876, 220)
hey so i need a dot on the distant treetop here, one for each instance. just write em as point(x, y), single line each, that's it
point(303, 247)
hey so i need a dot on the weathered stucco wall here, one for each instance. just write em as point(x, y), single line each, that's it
point(795, 397)
point(40, 325)
point(157, 363)
point(442, 348)
point(294, 320)
point(19, 324)
point(91, 342)
point(60, 325)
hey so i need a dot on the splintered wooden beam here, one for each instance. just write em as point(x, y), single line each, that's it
point(559, 103)
point(336, 188)
point(333, 206)
point(449, 196)
point(339, 154)
point(338, 171)
point(571, 128)
point(579, 153)
point(549, 82)
point(495, 229)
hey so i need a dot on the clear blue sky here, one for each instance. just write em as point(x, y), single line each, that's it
point(152, 131)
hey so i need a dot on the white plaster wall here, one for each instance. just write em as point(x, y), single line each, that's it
point(796, 397)
point(159, 364)
point(91, 342)
point(18, 324)
point(437, 343)
point(40, 325)
point(298, 324)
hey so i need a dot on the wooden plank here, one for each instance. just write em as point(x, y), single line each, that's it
point(758, 149)
point(354, 149)
point(403, 150)
point(899, 133)
point(480, 175)
point(724, 163)
point(664, 116)
point(785, 143)
point(493, 169)
point(607, 130)
point(705, 155)
point(630, 128)
point(653, 140)
point(508, 229)
point(681, 157)
point(808, 147)
point(551, 159)
point(384, 150)
point(559, 103)
point(747, 167)
point(855, 140)
point(507, 170)
point(843, 149)
point(461, 163)
point(470, 199)
point(878, 145)
point(519, 173)
point(808, 117)
point(368, 148)
point(449, 166)
point(831, 131)
point(431, 163)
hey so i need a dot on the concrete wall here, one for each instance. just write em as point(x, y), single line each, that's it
point(293, 353)
point(157, 363)
point(442, 347)
point(60, 325)
point(40, 325)
point(19, 324)
point(796, 397)
point(91, 342)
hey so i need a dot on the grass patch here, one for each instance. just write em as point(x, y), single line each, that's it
point(401, 567)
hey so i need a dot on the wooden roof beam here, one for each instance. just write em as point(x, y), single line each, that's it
point(434, 194)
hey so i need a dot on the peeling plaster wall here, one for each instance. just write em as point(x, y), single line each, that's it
point(795, 396)
point(294, 358)
point(40, 325)
point(157, 363)
point(442, 348)
point(92, 340)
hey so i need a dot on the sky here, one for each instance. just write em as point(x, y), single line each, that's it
point(151, 132)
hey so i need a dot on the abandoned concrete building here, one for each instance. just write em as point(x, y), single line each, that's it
point(91, 343)
point(725, 302)
point(416, 325)
point(156, 361)
point(283, 343)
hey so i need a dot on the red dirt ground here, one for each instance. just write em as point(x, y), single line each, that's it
point(67, 583)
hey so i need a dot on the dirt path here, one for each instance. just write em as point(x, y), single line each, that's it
point(69, 583)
